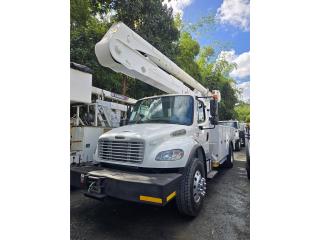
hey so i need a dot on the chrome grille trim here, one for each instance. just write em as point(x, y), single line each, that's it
point(120, 150)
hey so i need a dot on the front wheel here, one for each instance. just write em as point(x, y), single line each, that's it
point(192, 189)
point(248, 164)
point(243, 142)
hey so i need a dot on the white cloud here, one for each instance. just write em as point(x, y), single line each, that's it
point(242, 71)
point(243, 66)
point(177, 5)
point(242, 61)
point(235, 12)
point(245, 91)
point(106, 17)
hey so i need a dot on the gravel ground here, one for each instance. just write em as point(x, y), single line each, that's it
point(225, 214)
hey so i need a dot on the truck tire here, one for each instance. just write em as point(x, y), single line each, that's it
point(243, 142)
point(192, 189)
point(238, 145)
point(248, 163)
point(228, 163)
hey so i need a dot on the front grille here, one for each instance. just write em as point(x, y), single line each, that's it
point(113, 150)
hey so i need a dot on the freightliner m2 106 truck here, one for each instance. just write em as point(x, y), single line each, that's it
point(171, 144)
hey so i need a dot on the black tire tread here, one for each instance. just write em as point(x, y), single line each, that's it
point(238, 145)
point(184, 196)
point(228, 163)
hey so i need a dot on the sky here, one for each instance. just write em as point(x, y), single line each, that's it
point(230, 35)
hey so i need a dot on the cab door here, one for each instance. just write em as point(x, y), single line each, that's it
point(202, 120)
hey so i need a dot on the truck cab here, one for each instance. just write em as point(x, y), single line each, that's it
point(161, 133)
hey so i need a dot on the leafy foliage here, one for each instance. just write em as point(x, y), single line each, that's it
point(91, 19)
point(215, 75)
point(202, 26)
point(79, 12)
point(188, 49)
point(151, 20)
point(86, 31)
point(201, 65)
point(205, 63)
point(220, 80)
point(243, 112)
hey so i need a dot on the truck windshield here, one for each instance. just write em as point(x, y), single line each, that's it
point(167, 109)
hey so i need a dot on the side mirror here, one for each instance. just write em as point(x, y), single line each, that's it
point(214, 112)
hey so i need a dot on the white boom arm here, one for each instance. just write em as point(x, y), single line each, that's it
point(122, 50)
point(113, 96)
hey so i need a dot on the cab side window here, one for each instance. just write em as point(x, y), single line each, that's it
point(201, 112)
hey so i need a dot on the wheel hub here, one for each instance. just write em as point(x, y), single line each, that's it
point(199, 186)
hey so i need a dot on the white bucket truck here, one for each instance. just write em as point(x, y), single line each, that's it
point(238, 136)
point(172, 142)
point(91, 115)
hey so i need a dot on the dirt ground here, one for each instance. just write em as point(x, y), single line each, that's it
point(225, 214)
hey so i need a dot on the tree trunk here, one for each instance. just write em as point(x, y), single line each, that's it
point(124, 86)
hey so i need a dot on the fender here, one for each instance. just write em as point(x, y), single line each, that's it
point(193, 152)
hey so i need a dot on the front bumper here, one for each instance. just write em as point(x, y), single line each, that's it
point(152, 188)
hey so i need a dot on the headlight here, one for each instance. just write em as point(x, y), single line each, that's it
point(170, 155)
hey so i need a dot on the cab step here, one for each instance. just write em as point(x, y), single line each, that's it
point(211, 174)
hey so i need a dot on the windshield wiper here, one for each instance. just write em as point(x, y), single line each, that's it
point(139, 118)
point(158, 121)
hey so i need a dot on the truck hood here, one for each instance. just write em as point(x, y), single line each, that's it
point(146, 131)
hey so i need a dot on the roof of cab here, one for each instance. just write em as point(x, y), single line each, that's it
point(167, 95)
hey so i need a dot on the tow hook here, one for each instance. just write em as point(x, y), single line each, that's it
point(95, 184)
point(91, 187)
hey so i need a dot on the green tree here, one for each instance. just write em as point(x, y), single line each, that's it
point(79, 13)
point(243, 112)
point(151, 20)
point(83, 40)
point(216, 76)
point(214, 73)
point(188, 49)
point(205, 63)
point(85, 31)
